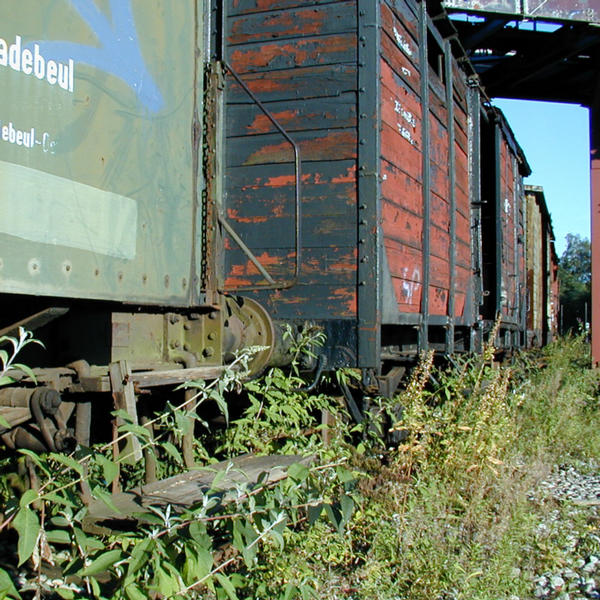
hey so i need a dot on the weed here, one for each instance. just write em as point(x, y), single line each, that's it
point(447, 514)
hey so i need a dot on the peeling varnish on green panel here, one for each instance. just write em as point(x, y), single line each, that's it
point(48, 209)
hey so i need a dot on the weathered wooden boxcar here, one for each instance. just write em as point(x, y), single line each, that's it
point(542, 271)
point(373, 97)
point(500, 212)
point(182, 181)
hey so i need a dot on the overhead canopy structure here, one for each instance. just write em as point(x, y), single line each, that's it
point(532, 49)
point(553, 10)
point(540, 50)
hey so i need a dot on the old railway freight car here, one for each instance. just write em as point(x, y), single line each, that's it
point(180, 179)
point(542, 271)
point(411, 188)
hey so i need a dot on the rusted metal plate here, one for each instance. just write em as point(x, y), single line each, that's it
point(185, 490)
point(562, 10)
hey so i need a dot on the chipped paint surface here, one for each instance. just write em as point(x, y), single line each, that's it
point(334, 144)
point(410, 284)
point(406, 134)
point(346, 297)
point(405, 114)
point(234, 215)
point(309, 80)
point(403, 43)
point(300, 52)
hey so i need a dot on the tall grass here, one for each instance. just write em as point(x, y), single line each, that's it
point(448, 513)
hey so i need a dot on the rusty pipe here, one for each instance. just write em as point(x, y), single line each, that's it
point(23, 438)
point(83, 422)
point(39, 404)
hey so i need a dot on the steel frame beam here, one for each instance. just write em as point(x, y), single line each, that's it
point(369, 206)
point(595, 219)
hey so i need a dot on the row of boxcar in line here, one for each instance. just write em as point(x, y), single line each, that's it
point(222, 170)
point(417, 228)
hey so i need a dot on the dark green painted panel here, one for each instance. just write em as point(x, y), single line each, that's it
point(96, 158)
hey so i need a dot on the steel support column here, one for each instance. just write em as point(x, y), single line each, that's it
point(595, 218)
point(426, 157)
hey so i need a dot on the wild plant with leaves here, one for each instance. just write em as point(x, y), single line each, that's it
point(193, 552)
point(7, 359)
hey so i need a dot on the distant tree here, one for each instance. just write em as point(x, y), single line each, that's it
point(575, 273)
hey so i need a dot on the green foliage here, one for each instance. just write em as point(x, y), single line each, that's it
point(7, 587)
point(209, 550)
point(575, 274)
point(7, 359)
point(279, 418)
point(446, 513)
point(577, 258)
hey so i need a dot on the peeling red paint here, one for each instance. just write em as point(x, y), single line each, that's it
point(234, 216)
point(265, 259)
point(345, 263)
point(236, 282)
point(343, 266)
point(284, 180)
point(336, 145)
point(279, 181)
point(265, 55)
point(349, 177)
point(309, 51)
point(302, 22)
point(347, 297)
point(262, 123)
point(294, 300)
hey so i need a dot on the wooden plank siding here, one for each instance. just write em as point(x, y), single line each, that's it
point(402, 149)
point(503, 230)
point(300, 59)
point(304, 61)
point(511, 218)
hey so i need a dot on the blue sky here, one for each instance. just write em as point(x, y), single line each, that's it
point(555, 139)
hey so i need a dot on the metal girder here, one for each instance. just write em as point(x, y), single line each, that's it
point(537, 63)
point(553, 10)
